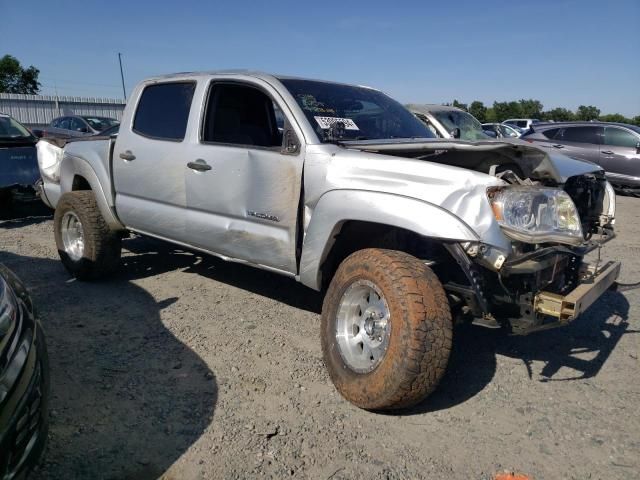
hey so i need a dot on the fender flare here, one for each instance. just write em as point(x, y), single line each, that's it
point(72, 166)
point(339, 206)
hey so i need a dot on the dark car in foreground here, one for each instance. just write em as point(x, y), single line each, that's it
point(18, 161)
point(613, 146)
point(24, 380)
point(73, 126)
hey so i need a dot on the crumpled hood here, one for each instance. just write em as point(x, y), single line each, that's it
point(534, 162)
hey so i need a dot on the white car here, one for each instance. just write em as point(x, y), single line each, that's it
point(522, 123)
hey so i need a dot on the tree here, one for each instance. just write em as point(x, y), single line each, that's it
point(462, 106)
point(478, 110)
point(615, 117)
point(587, 113)
point(530, 108)
point(505, 110)
point(15, 79)
point(636, 120)
point(558, 115)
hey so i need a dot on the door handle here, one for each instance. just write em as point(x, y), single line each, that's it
point(199, 165)
point(557, 145)
point(128, 156)
point(607, 152)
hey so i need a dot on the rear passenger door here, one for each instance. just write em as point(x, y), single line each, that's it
point(149, 160)
point(581, 142)
point(243, 180)
point(619, 154)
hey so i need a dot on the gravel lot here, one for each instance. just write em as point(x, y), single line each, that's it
point(185, 367)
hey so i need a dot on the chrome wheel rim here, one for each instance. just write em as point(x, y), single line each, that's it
point(362, 326)
point(72, 236)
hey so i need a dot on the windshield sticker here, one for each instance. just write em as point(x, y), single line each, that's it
point(326, 122)
point(310, 104)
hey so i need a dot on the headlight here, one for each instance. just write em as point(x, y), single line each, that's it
point(8, 308)
point(609, 205)
point(49, 158)
point(536, 214)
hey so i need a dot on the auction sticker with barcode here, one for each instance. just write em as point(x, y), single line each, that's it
point(326, 122)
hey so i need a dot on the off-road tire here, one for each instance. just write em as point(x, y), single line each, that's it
point(420, 336)
point(102, 247)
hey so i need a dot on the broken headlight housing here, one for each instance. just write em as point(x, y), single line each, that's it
point(49, 158)
point(533, 214)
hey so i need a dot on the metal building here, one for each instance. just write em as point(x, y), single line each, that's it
point(39, 110)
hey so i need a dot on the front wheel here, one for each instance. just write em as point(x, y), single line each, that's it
point(88, 248)
point(386, 329)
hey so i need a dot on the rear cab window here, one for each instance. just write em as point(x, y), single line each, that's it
point(163, 110)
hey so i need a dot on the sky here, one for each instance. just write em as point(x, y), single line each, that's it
point(564, 53)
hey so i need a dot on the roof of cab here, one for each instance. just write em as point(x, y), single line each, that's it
point(245, 72)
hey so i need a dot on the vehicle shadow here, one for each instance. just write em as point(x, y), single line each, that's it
point(15, 215)
point(473, 360)
point(127, 397)
point(154, 256)
point(562, 351)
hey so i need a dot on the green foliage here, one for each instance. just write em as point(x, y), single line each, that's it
point(478, 110)
point(16, 79)
point(505, 110)
point(587, 113)
point(530, 108)
point(558, 115)
point(461, 106)
point(615, 117)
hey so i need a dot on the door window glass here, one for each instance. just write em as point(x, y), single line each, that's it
point(581, 135)
point(163, 110)
point(77, 125)
point(618, 137)
point(551, 133)
point(242, 115)
point(64, 123)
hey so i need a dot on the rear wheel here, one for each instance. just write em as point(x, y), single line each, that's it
point(88, 248)
point(386, 329)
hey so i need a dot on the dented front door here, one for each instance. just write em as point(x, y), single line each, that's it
point(242, 200)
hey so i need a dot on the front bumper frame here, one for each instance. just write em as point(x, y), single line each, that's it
point(565, 308)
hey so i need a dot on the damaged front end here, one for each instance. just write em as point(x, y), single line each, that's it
point(543, 282)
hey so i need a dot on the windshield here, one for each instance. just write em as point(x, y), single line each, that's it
point(353, 113)
point(101, 123)
point(470, 128)
point(12, 130)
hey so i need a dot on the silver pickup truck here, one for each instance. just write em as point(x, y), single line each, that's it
point(343, 189)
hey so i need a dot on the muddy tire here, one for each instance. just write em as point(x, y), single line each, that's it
point(386, 329)
point(88, 248)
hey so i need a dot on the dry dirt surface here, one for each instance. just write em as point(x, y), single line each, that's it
point(185, 367)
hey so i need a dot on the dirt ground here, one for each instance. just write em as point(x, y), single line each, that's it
point(185, 367)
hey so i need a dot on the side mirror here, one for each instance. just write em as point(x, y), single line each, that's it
point(455, 133)
point(82, 129)
point(290, 143)
point(638, 147)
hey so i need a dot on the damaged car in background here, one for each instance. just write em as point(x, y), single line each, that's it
point(354, 196)
point(18, 164)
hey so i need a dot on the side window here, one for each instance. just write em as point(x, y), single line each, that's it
point(521, 123)
point(163, 110)
point(77, 125)
point(581, 135)
point(54, 123)
point(551, 133)
point(241, 115)
point(618, 137)
point(64, 123)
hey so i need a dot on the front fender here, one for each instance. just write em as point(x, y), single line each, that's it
point(338, 206)
point(72, 166)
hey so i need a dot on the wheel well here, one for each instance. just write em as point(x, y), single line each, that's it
point(357, 235)
point(80, 183)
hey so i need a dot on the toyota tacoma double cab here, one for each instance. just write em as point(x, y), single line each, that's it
point(343, 189)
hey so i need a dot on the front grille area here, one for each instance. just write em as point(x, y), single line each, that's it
point(28, 423)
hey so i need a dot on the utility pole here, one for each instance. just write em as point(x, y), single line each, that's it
point(124, 92)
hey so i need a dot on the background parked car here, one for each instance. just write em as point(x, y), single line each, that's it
point(24, 375)
point(613, 146)
point(18, 162)
point(501, 130)
point(523, 124)
point(449, 122)
point(77, 126)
